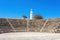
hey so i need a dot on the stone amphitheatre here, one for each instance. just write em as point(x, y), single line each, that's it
point(20, 25)
point(8, 25)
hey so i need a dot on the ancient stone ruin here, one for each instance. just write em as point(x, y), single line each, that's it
point(21, 25)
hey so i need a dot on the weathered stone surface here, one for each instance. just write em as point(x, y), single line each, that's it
point(20, 25)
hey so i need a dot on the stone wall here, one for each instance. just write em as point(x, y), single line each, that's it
point(20, 25)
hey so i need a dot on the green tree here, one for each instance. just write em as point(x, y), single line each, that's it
point(24, 17)
point(38, 16)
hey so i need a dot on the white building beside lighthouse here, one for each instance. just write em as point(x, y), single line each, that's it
point(31, 14)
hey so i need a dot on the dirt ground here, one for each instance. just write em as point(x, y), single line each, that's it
point(30, 36)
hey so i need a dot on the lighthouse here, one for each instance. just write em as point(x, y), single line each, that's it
point(31, 14)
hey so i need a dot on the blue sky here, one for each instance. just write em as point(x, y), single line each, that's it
point(18, 8)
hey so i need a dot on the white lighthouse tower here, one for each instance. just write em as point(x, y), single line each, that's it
point(31, 14)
